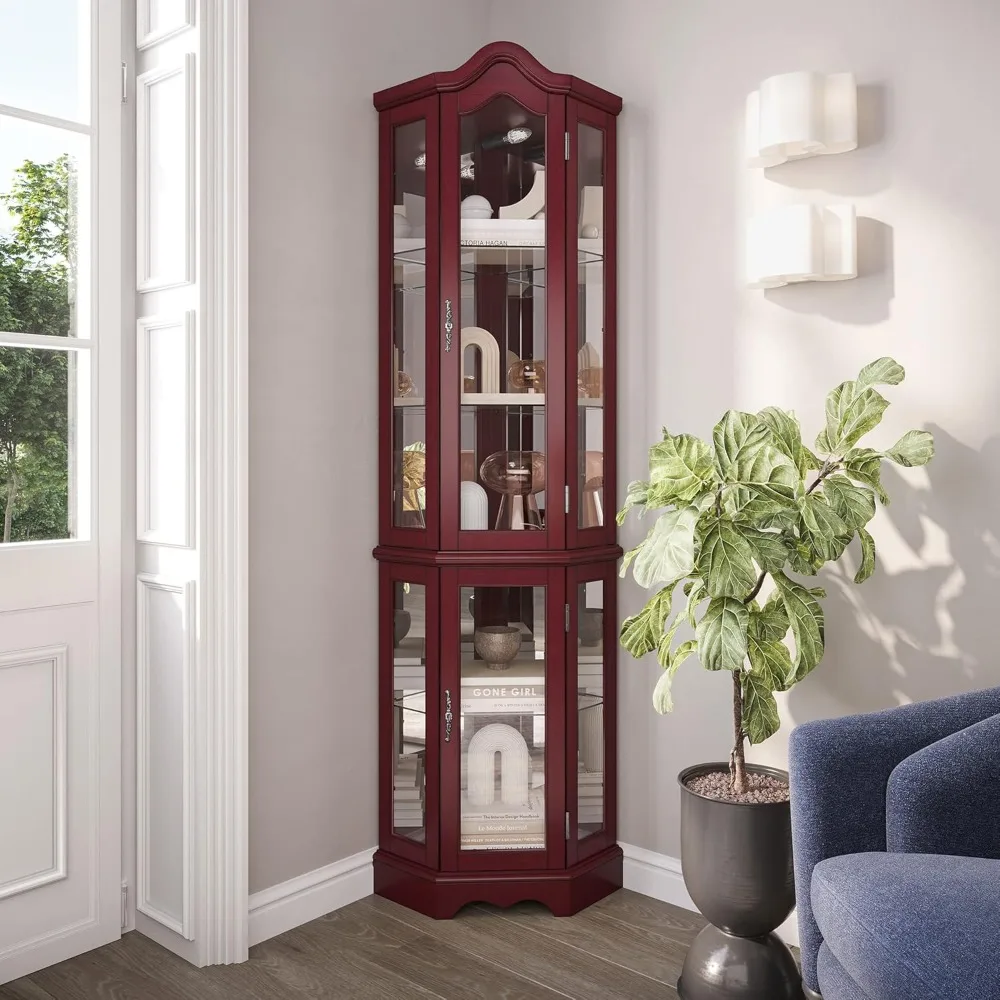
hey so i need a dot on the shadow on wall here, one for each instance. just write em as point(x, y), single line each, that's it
point(923, 633)
point(863, 171)
point(871, 292)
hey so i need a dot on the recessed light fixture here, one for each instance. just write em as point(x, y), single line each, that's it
point(516, 135)
point(421, 161)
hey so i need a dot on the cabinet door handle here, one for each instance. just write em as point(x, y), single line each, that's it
point(447, 715)
point(448, 325)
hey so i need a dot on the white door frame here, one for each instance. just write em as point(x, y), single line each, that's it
point(204, 561)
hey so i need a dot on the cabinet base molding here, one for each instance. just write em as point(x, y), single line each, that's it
point(442, 894)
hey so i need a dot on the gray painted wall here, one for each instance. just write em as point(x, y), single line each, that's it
point(925, 183)
point(314, 65)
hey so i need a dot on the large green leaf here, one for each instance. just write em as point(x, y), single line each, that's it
point(680, 466)
point(787, 435)
point(805, 618)
point(854, 504)
point(823, 529)
point(746, 456)
point(663, 701)
point(640, 633)
point(768, 547)
point(666, 641)
point(726, 561)
point(668, 553)
point(760, 710)
point(884, 371)
point(722, 634)
point(913, 448)
point(696, 595)
point(850, 414)
point(635, 496)
point(867, 557)
point(770, 623)
point(865, 465)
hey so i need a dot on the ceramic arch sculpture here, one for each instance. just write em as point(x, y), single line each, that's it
point(489, 353)
point(515, 766)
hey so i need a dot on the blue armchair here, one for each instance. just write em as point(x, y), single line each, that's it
point(896, 837)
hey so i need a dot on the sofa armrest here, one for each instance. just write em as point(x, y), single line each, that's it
point(941, 800)
point(839, 771)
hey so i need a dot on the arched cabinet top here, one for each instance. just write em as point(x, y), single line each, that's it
point(491, 55)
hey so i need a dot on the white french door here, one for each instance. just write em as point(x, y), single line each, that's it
point(60, 480)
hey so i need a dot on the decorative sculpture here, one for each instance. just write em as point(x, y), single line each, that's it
point(498, 645)
point(531, 204)
point(526, 376)
point(475, 507)
point(517, 476)
point(591, 211)
point(489, 354)
point(515, 766)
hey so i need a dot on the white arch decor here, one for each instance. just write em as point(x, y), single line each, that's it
point(489, 352)
point(515, 766)
point(531, 204)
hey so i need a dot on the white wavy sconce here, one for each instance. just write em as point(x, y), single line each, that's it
point(796, 115)
point(515, 766)
point(802, 243)
point(489, 353)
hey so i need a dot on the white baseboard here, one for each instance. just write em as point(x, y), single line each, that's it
point(306, 897)
point(659, 876)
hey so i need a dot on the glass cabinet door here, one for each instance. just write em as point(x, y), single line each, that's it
point(409, 753)
point(591, 710)
point(409, 308)
point(506, 755)
point(591, 326)
point(503, 312)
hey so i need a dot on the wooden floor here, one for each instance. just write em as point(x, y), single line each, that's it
point(626, 946)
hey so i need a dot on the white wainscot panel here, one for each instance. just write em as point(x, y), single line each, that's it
point(165, 443)
point(32, 768)
point(157, 20)
point(165, 753)
point(165, 187)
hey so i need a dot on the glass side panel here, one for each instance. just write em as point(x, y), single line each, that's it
point(590, 327)
point(502, 312)
point(502, 718)
point(409, 673)
point(590, 708)
point(409, 303)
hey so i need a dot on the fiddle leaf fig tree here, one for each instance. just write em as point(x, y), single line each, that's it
point(753, 504)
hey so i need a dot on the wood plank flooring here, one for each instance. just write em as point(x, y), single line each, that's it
point(626, 947)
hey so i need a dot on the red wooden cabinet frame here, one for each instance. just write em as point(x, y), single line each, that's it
point(442, 136)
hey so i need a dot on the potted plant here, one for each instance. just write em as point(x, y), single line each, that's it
point(738, 520)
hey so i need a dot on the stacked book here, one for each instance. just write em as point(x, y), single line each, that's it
point(590, 811)
point(500, 827)
point(408, 792)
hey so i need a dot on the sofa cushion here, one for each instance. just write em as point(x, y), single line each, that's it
point(834, 981)
point(904, 926)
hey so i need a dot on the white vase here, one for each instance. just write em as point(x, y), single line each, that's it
point(474, 506)
point(476, 207)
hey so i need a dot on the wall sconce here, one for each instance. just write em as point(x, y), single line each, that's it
point(802, 243)
point(796, 115)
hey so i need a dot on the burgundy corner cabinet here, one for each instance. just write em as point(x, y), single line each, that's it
point(498, 552)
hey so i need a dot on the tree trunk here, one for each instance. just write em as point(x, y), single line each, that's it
point(737, 762)
point(8, 514)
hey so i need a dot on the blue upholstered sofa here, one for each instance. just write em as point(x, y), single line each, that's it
point(896, 833)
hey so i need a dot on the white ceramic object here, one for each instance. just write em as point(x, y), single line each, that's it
point(489, 353)
point(400, 224)
point(515, 766)
point(476, 207)
point(796, 115)
point(475, 507)
point(591, 211)
point(802, 243)
point(590, 232)
point(530, 205)
point(588, 357)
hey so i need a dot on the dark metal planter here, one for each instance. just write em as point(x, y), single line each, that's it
point(737, 865)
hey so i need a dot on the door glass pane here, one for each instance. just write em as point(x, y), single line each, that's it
point(409, 671)
point(44, 446)
point(45, 60)
point(590, 708)
point(44, 216)
point(505, 367)
point(409, 281)
point(590, 326)
point(502, 718)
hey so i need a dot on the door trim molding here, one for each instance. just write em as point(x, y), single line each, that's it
point(224, 500)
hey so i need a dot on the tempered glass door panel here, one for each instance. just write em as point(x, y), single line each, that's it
point(591, 398)
point(503, 805)
point(409, 317)
point(591, 710)
point(504, 375)
point(408, 695)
